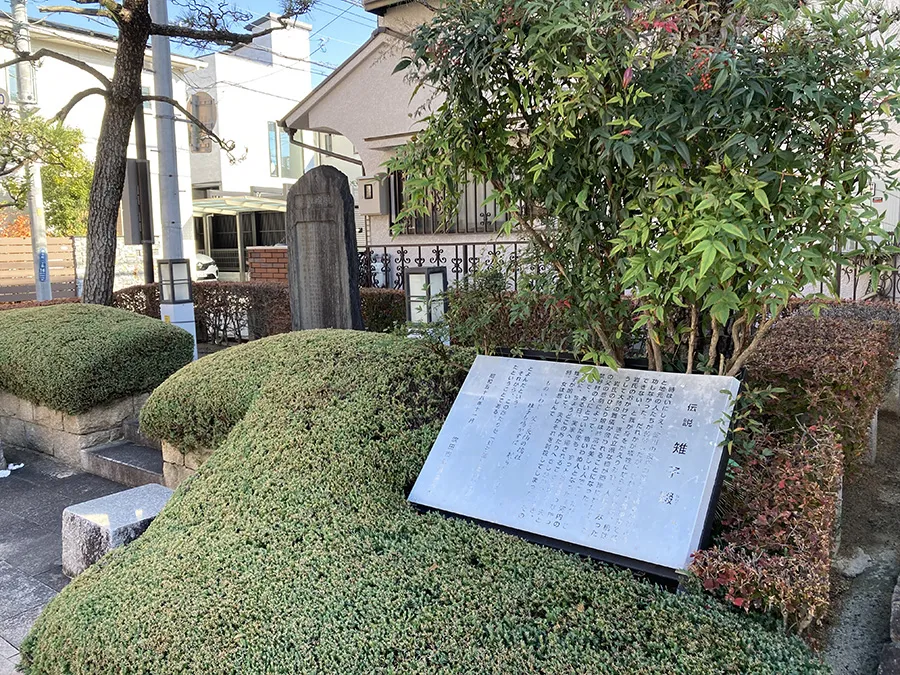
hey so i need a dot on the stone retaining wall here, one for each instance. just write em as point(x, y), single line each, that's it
point(36, 427)
point(179, 464)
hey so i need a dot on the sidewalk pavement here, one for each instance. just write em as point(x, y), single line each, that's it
point(32, 500)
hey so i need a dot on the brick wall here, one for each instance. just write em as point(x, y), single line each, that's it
point(267, 263)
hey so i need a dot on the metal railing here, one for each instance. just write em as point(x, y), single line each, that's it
point(384, 266)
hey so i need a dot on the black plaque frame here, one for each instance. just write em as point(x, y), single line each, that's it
point(668, 575)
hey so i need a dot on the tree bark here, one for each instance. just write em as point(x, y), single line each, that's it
point(112, 151)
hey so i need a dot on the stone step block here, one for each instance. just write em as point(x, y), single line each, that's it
point(125, 462)
point(92, 528)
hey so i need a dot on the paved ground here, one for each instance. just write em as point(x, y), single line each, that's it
point(32, 500)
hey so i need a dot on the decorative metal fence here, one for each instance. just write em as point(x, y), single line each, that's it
point(384, 266)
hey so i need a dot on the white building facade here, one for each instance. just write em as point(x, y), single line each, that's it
point(57, 82)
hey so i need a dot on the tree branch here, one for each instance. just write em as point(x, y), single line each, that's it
point(75, 100)
point(41, 53)
point(83, 11)
point(221, 36)
point(227, 146)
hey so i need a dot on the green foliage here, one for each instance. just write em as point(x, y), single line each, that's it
point(830, 369)
point(382, 308)
point(294, 549)
point(484, 314)
point(66, 179)
point(774, 551)
point(713, 165)
point(72, 357)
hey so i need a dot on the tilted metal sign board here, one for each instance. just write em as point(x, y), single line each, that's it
point(625, 468)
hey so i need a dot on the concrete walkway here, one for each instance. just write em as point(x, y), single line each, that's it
point(32, 500)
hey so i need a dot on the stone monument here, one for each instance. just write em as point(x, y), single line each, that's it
point(625, 468)
point(323, 267)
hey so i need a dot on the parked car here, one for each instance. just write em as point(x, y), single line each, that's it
point(205, 268)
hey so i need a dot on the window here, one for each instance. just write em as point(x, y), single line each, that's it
point(285, 159)
point(12, 82)
point(145, 91)
point(472, 214)
point(203, 107)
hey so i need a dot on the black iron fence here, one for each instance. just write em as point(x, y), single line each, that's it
point(384, 266)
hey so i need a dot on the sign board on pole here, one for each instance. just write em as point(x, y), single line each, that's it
point(624, 469)
point(43, 266)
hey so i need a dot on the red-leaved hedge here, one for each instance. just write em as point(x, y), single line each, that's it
point(36, 303)
point(774, 552)
point(832, 369)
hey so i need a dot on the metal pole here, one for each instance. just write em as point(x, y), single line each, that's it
point(169, 208)
point(32, 170)
point(140, 142)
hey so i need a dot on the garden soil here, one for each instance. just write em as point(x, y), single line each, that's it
point(868, 561)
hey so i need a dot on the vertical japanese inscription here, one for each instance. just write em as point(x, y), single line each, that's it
point(624, 464)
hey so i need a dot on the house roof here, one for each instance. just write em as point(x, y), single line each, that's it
point(380, 6)
point(52, 31)
point(298, 118)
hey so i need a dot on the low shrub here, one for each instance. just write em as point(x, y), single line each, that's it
point(223, 310)
point(294, 549)
point(382, 308)
point(72, 357)
point(484, 314)
point(831, 369)
point(774, 550)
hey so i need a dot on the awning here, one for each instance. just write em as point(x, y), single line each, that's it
point(235, 205)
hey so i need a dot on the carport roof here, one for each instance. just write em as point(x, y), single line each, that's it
point(234, 205)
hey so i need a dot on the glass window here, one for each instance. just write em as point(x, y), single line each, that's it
point(145, 91)
point(285, 153)
point(273, 149)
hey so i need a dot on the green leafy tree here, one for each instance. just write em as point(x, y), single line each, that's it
point(66, 176)
point(685, 171)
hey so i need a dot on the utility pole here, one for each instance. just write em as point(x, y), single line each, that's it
point(170, 211)
point(27, 100)
point(140, 142)
point(179, 312)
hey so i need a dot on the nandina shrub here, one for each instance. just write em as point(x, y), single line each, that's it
point(835, 370)
point(773, 553)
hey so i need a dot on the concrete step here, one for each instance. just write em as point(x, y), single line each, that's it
point(125, 462)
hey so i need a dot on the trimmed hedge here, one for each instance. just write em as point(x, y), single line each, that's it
point(836, 370)
point(774, 553)
point(224, 309)
point(294, 549)
point(382, 308)
point(72, 357)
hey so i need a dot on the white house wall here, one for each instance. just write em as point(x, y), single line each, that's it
point(57, 82)
point(249, 94)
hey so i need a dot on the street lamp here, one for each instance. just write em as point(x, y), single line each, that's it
point(176, 295)
point(426, 298)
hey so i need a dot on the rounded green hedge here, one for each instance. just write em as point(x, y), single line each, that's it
point(72, 357)
point(294, 550)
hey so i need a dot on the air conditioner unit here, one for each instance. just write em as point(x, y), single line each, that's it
point(372, 196)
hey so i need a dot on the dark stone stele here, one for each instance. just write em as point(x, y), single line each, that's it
point(323, 270)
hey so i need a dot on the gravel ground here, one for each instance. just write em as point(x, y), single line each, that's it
point(868, 562)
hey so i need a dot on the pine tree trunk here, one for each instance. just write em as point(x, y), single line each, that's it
point(112, 150)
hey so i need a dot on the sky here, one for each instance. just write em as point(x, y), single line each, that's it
point(339, 28)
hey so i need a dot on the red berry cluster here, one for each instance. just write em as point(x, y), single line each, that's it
point(702, 57)
point(508, 17)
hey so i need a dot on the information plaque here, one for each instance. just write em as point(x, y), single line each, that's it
point(623, 468)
